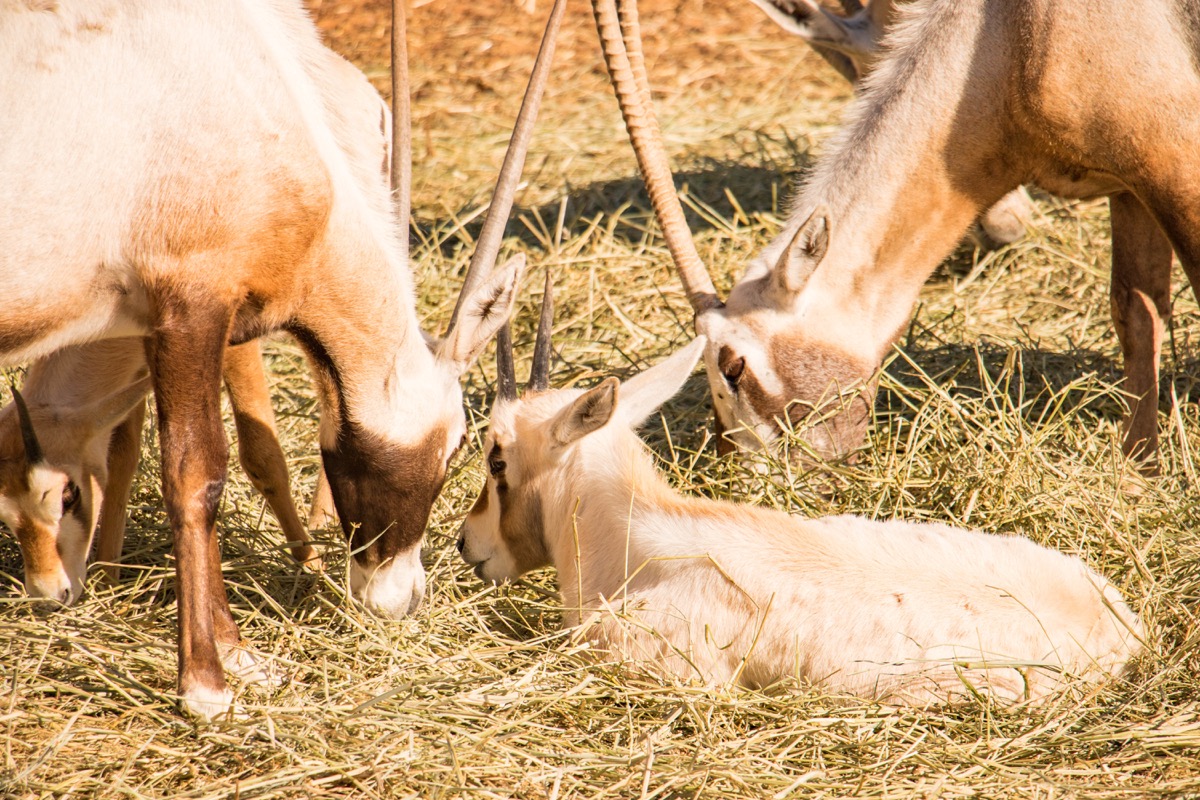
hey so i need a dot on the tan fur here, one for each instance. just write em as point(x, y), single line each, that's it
point(959, 125)
point(727, 593)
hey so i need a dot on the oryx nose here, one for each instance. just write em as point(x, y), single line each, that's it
point(50, 591)
point(461, 544)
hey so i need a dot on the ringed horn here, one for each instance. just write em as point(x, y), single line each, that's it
point(621, 40)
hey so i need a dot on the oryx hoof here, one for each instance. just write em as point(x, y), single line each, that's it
point(204, 703)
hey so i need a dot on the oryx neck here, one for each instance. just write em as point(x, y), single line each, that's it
point(896, 199)
point(595, 520)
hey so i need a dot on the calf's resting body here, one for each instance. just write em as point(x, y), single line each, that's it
point(722, 592)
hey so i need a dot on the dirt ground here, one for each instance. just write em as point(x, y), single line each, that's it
point(712, 62)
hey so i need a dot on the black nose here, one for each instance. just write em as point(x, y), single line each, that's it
point(462, 544)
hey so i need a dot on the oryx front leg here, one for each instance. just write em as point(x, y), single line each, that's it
point(1141, 304)
point(184, 353)
point(259, 451)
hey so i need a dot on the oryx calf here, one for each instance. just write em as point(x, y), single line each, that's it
point(721, 592)
point(75, 445)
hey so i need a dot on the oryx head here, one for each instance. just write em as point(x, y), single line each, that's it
point(773, 361)
point(387, 481)
point(776, 363)
point(532, 440)
point(53, 468)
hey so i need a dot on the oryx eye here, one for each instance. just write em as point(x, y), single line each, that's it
point(70, 496)
point(496, 464)
point(732, 372)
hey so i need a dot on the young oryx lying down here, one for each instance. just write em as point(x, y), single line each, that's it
point(894, 611)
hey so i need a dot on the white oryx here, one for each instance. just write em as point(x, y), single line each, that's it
point(971, 100)
point(172, 172)
point(92, 454)
point(729, 593)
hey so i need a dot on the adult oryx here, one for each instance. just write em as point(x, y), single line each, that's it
point(971, 100)
point(78, 398)
point(172, 172)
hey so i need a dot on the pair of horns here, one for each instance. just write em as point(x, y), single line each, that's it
point(621, 40)
point(539, 373)
point(488, 247)
point(33, 450)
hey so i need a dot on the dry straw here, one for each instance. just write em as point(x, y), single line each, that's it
point(999, 410)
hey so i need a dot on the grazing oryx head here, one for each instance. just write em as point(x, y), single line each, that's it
point(50, 484)
point(765, 375)
point(364, 465)
point(532, 438)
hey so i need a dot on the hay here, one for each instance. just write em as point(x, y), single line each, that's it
point(999, 411)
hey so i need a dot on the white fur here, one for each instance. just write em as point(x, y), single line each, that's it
point(718, 592)
point(393, 589)
point(206, 704)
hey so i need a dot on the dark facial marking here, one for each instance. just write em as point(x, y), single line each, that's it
point(815, 374)
point(383, 491)
point(731, 366)
point(522, 528)
point(70, 497)
point(495, 460)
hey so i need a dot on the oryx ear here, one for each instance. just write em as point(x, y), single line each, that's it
point(591, 411)
point(482, 313)
point(101, 416)
point(645, 392)
point(803, 253)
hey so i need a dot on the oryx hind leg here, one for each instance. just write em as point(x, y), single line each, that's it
point(1141, 306)
point(124, 453)
point(259, 450)
point(1173, 197)
point(184, 353)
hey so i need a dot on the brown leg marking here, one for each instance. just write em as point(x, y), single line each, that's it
point(258, 445)
point(184, 354)
point(1141, 305)
point(124, 452)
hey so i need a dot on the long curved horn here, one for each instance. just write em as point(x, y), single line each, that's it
point(488, 246)
point(33, 450)
point(620, 38)
point(539, 373)
point(401, 173)
point(506, 375)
